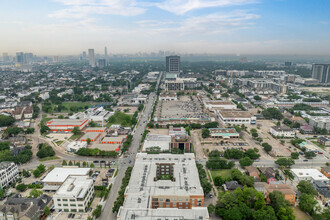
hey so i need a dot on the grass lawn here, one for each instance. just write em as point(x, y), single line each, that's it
point(45, 119)
point(224, 173)
point(300, 214)
point(120, 118)
point(318, 144)
point(59, 143)
point(74, 137)
point(98, 193)
point(68, 105)
point(48, 158)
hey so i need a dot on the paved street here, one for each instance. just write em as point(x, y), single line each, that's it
point(129, 159)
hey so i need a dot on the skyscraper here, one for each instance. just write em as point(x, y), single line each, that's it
point(5, 57)
point(173, 64)
point(101, 63)
point(321, 72)
point(105, 52)
point(20, 57)
point(84, 55)
point(91, 57)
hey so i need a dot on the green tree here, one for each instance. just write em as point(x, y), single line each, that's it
point(257, 98)
point(255, 135)
point(97, 211)
point(92, 165)
point(286, 162)
point(35, 193)
point(88, 141)
point(47, 210)
point(272, 113)
point(21, 187)
point(310, 154)
point(218, 181)
point(307, 202)
point(211, 208)
point(266, 212)
point(267, 147)
point(64, 163)
point(205, 133)
point(6, 121)
point(76, 131)
point(84, 164)
point(246, 161)
point(306, 187)
point(295, 155)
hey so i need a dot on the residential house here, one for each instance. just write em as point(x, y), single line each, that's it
point(253, 171)
point(269, 173)
point(324, 141)
point(231, 185)
point(21, 208)
point(326, 171)
point(323, 189)
point(285, 189)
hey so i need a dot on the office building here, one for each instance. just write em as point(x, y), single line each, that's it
point(175, 85)
point(282, 131)
point(164, 188)
point(235, 116)
point(84, 55)
point(8, 173)
point(5, 57)
point(321, 72)
point(74, 195)
point(309, 175)
point(19, 57)
point(101, 63)
point(173, 64)
point(91, 57)
point(105, 52)
point(58, 175)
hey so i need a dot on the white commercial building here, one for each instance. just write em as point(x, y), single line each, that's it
point(58, 175)
point(8, 173)
point(74, 146)
point(157, 140)
point(219, 104)
point(282, 131)
point(309, 174)
point(74, 195)
point(164, 188)
point(235, 116)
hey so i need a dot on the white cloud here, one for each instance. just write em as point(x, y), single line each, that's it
point(181, 7)
point(84, 8)
point(202, 25)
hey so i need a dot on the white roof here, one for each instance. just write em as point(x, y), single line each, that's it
point(309, 173)
point(74, 186)
point(59, 174)
point(76, 145)
point(157, 140)
point(142, 187)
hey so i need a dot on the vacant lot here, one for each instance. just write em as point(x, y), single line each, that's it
point(223, 173)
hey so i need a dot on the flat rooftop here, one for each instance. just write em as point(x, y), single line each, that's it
point(91, 135)
point(142, 187)
point(219, 103)
point(234, 113)
point(119, 138)
point(74, 186)
point(309, 173)
point(75, 122)
point(59, 174)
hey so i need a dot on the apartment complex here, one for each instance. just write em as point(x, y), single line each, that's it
point(164, 188)
point(8, 173)
point(74, 195)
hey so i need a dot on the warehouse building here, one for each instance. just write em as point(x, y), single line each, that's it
point(66, 125)
point(164, 188)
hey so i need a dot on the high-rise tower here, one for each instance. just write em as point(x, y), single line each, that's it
point(91, 57)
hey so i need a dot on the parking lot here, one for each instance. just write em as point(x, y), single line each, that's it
point(184, 107)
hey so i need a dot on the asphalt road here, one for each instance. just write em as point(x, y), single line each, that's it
point(129, 159)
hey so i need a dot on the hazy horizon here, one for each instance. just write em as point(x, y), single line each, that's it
point(218, 27)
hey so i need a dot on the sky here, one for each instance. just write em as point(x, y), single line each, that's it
point(68, 27)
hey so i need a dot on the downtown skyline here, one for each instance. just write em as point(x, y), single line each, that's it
point(59, 27)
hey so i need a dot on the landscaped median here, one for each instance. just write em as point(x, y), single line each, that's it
point(120, 199)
